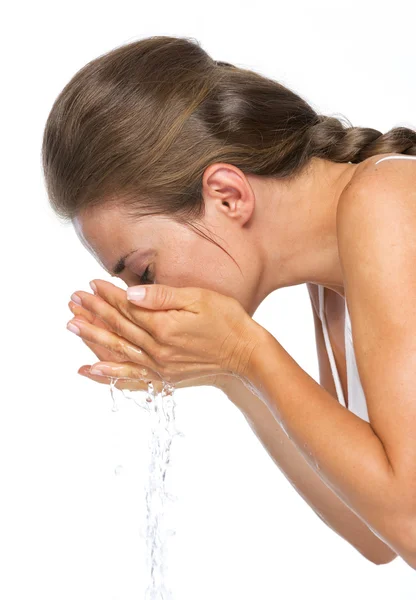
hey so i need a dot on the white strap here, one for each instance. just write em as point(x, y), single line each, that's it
point(337, 381)
point(401, 156)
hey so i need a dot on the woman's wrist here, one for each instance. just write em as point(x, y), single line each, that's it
point(251, 347)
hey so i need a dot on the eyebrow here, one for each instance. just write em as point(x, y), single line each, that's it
point(121, 263)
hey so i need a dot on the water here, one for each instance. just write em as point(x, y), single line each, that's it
point(314, 460)
point(161, 410)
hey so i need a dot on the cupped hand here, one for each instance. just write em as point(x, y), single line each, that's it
point(184, 336)
point(130, 376)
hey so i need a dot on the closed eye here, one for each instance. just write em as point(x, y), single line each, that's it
point(144, 278)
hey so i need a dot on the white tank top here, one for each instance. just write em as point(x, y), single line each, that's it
point(356, 400)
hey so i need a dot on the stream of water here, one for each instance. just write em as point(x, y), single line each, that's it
point(161, 410)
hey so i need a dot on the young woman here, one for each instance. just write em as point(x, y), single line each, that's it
point(154, 152)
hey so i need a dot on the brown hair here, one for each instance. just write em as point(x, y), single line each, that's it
point(138, 126)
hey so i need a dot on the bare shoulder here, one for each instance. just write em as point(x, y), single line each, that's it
point(389, 181)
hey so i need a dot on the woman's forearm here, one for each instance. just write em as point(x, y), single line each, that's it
point(339, 446)
point(326, 504)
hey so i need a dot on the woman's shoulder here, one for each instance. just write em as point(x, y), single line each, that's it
point(374, 179)
point(391, 164)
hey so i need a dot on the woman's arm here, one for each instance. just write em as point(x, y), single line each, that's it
point(326, 504)
point(339, 446)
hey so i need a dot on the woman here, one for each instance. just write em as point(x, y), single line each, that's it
point(154, 152)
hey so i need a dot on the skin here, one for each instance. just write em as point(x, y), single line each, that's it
point(279, 234)
point(341, 224)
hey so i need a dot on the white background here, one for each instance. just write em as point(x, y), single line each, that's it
point(69, 528)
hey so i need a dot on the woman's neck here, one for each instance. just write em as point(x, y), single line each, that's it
point(301, 234)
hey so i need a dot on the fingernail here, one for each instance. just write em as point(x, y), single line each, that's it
point(136, 293)
point(105, 370)
point(73, 328)
point(96, 371)
point(75, 298)
point(93, 287)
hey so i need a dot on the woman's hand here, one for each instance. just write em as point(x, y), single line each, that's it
point(175, 335)
point(130, 375)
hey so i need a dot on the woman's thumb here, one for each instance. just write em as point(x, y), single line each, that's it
point(158, 297)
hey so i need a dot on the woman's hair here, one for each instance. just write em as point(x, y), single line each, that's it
point(138, 126)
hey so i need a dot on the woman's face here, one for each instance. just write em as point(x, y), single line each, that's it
point(166, 252)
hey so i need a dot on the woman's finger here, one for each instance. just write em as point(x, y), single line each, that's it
point(122, 383)
point(119, 346)
point(100, 352)
point(118, 323)
point(130, 377)
point(124, 370)
point(81, 311)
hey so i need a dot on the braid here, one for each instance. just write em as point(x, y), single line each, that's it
point(328, 138)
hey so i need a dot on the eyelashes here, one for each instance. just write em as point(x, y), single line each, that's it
point(144, 278)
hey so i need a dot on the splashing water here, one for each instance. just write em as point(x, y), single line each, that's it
point(161, 409)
